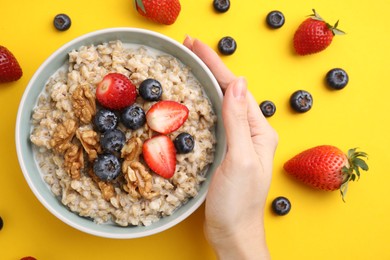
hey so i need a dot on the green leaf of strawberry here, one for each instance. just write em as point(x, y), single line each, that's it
point(160, 155)
point(314, 35)
point(326, 167)
point(160, 11)
point(10, 69)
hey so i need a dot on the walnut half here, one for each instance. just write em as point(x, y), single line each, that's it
point(84, 105)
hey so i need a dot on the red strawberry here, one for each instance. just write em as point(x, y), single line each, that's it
point(160, 11)
point(116, 91)
point(314, 35)
point(326, 167)
point(160, 155)
point(166, 116)
point(10, 69)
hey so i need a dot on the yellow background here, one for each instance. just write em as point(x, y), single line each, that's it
point(320, 225)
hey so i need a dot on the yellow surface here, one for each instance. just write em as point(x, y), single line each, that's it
point(320, 225)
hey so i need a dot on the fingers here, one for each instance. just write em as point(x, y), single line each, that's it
point(223, 75)
point(235, 117)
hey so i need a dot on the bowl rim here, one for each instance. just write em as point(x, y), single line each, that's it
point(64, 49)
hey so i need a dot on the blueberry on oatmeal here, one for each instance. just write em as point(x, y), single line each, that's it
point(107, 167)
point(112, 141)
point(133, 117)
point(150, 90)
point(184, 143)
point(105, 120)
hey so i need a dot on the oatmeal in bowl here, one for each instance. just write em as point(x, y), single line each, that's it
point(120, 131)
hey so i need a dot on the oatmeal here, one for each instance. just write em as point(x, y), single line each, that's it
point(67, 144)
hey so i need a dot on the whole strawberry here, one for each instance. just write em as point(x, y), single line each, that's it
point(10, 69)
point(314, 35)
point(116, 91)
point(326, 167)
point(160, 11)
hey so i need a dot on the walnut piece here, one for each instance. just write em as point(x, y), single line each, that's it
point(139, 183)
point(63, 135)
point(89, 139)
point(84, 105)
point(74, 161)
point(107, 189)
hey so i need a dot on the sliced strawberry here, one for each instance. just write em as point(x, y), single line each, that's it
point(166, 116)
point(10, 69)
point(116, 91)
point(160, 155)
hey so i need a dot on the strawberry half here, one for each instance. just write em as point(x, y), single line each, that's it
point(314, 35)
point(116, 91)
point(160, 11)
point(166, 116)
point(160, 155)
point(10, 69)
point(326, 167)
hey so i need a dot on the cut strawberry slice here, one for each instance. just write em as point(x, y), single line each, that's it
point(160, 155)
point(166, 116)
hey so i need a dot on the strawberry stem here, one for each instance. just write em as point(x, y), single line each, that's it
point(356, 163)
point(140, 4)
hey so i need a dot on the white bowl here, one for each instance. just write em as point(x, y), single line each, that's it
point(31, 170)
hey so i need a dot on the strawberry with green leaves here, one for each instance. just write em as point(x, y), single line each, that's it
point(314, 35)
point(326, 167)
point(10, 69)
point(160, 11)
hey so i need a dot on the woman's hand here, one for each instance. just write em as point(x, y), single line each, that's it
point(238, 191)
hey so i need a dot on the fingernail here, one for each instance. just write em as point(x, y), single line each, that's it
point(189, 41)
point(239, 90)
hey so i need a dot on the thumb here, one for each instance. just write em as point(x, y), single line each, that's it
point(235, 117)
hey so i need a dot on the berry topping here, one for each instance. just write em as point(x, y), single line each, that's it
point(159, 11)
point(337, 78)
point(301, 101)
point(62, 22)
point(133, 117)
point(314, 35)
point(281, 206)
point(275, 19)
point(116, 91)
point(166, 116)
point(221, 6)
point(160, 155)
point(10, 69)
point(150, 90)
point(105, 120)
point(184, 143)
point(268, 108)
point(107, 167)
point(227, 45)
point(112, 140)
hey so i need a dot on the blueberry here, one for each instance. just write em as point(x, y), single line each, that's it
point(105, 120)
point(281, 206)
point(112, 140)
point(301, 101)
point(107, 167)
point(227, 45)
point(268, 108)
point(62, 22)
point(184, 143)
point(275, 19)
point(1, 223)
point(221, 6)
point(133, 117)
point(150, 90)
point(337, 78)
